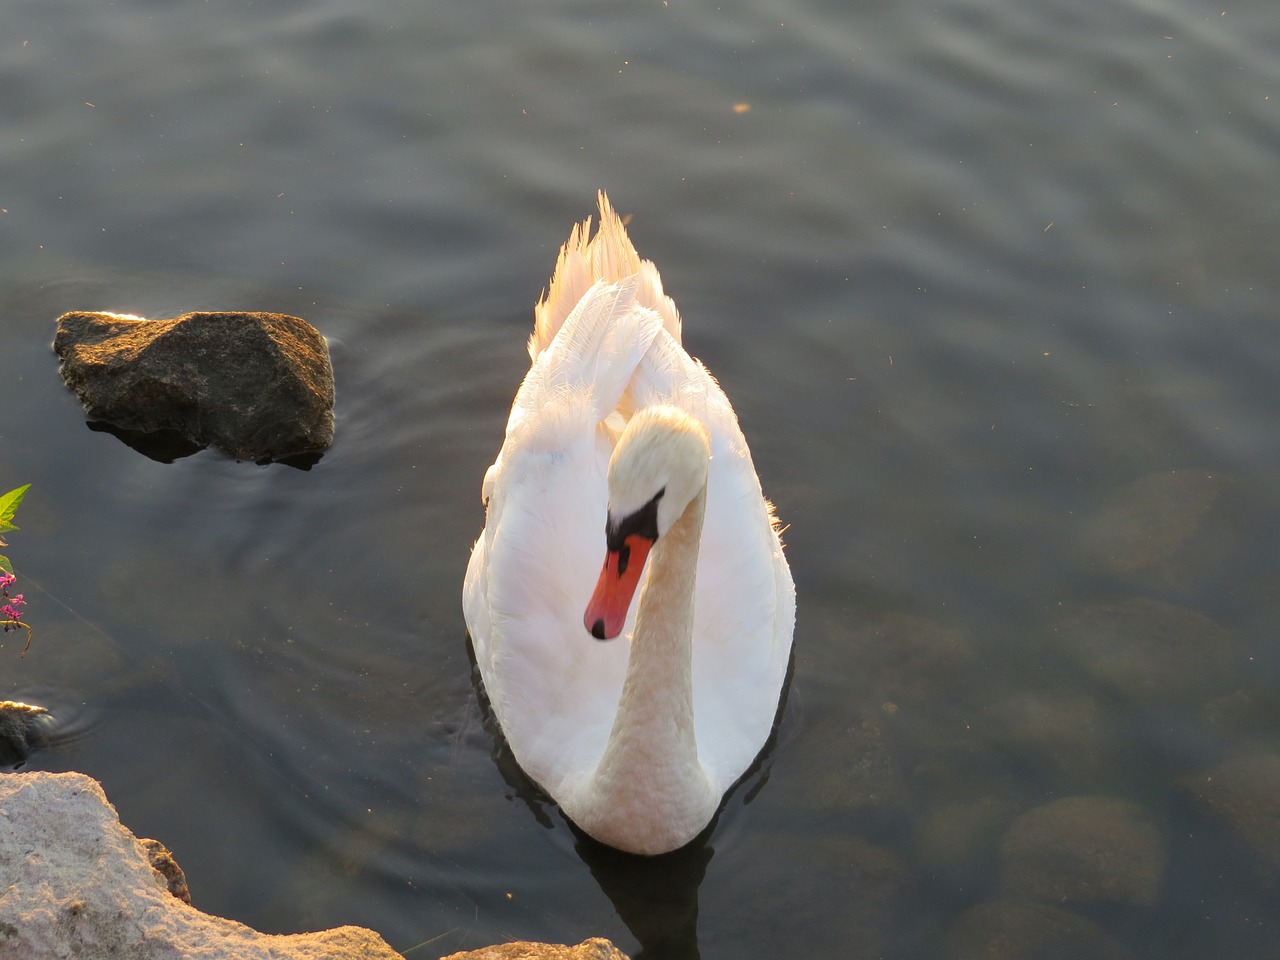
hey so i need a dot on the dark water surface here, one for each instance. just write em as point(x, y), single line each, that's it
point(992, 285)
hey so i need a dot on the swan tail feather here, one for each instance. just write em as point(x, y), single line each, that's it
point(585, 260)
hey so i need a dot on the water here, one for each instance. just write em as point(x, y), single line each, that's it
point(991, 285)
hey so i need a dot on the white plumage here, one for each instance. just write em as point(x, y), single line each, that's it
point(644, 771)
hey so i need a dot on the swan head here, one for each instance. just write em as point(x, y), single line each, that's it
point(658, 467)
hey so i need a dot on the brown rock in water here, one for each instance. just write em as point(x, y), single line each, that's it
point(258, 386)
point(1083, 850)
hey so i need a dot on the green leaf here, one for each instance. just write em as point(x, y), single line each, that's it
point(5, 565)
point(9, 506)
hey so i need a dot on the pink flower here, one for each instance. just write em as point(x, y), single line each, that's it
point(10, 609)
point(6, 579)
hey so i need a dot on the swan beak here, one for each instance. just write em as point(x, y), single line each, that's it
point(607, 609)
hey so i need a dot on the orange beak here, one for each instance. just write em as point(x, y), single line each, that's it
point(607, 609)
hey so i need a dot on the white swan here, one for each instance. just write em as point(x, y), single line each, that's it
point(619, 441)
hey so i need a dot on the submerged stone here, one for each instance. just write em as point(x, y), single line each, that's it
point(954, 839)
point(1083, 850)
point(1155, 529)
point(1152, 652)
point(1002, 930)
point(1244, 794)
point(1066, 733)
point(849, 896)
point(258, 386)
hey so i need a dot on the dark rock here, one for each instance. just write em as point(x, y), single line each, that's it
point(23, 728)
point(162, 862)
point(1083, 850)
point(259, 386)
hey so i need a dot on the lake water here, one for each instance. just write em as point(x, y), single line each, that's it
point(992, 285)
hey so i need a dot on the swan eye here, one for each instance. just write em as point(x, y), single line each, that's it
point(642, 523)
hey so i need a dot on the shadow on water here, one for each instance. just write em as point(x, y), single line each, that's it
point(168, 446)
point(163, 446)
point(655, 897)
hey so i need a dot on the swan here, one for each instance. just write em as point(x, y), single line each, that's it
point(622, 446)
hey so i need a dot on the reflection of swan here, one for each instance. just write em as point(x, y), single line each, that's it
point(616, 427)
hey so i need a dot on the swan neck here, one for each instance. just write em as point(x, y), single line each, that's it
point(664, 610)
point(660, 668)
point(650, 770)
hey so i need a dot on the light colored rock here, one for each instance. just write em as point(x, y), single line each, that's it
point(1083, 850)
point(259, 386)
point(75, 883)
point(593, 949)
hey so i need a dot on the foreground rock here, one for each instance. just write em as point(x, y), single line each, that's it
point(75, 883)
point(258, 386)
point(594, 949)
